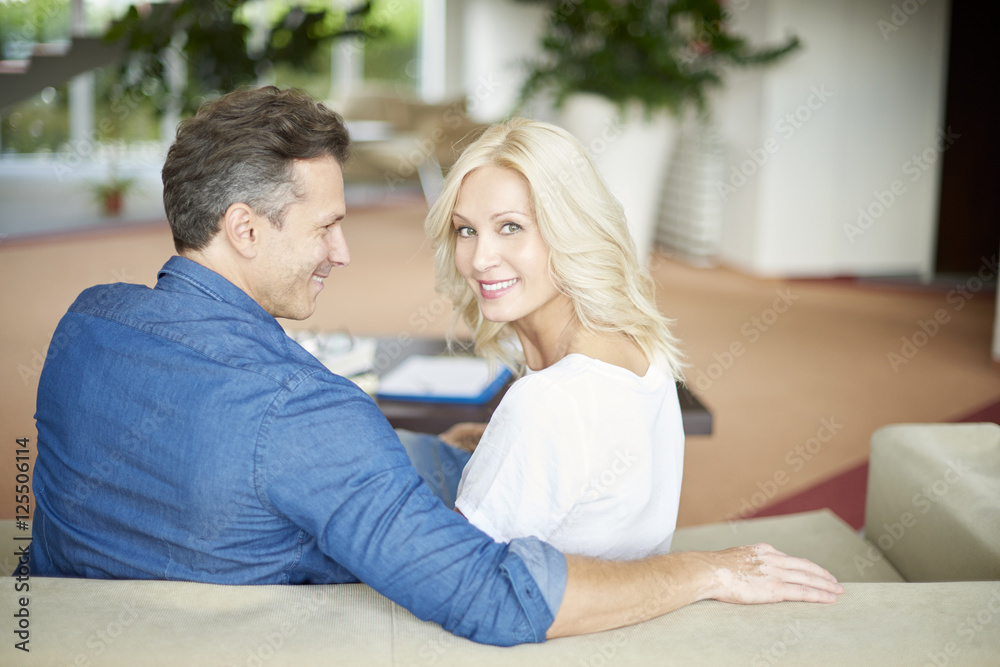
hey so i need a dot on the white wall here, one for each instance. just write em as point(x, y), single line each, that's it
point(834, 127)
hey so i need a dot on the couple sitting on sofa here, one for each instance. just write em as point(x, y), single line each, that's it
point(184, 436)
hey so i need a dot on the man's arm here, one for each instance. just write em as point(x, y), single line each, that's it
point(602, 595)
point(464, 435)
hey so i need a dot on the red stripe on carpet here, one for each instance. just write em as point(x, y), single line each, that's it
point(987, 413)
point(845, 494)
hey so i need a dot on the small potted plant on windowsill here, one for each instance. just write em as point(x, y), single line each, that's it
point(624, 73)
point(110, 195)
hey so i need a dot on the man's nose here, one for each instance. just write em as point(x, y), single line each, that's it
point(340, 254)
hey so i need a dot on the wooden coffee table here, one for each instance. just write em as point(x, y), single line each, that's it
point(438, 417)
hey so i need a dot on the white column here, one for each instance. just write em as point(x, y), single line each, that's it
point(433, 50)
point(176, 71)
point(347, 62)
point(77, 24)
point(81, 109)
point(81, 91)
point(499, 35)
point(256, 43)
point(347, 66)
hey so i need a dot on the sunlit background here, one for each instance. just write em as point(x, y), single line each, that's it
point(66, 145)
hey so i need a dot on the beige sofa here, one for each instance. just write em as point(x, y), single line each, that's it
point(881, 619)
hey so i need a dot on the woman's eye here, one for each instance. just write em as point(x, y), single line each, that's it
point(510, 227)
point(465, 231)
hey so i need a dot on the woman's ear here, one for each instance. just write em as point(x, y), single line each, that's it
point(241, 228)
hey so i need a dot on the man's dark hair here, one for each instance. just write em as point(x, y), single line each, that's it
point(241, 148)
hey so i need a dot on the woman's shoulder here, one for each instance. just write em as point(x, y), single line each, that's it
point(549, 381)
point(582, 368)
point(561, 378)
point(578, 380)
point(541, 406)
point(552, 390)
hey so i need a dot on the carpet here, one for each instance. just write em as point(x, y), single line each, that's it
point(845, 494)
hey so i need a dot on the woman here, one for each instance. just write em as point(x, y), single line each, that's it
point(586, 450)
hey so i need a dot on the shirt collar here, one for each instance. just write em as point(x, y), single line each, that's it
point(181, 274)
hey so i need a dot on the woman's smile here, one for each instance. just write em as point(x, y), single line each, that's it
point(495, 290)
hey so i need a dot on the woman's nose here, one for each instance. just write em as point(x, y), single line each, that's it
point(485, 256)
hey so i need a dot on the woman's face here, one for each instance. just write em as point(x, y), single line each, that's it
point(499, 249)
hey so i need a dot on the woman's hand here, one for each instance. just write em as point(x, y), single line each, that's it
point(464, 435)
point(761, 573)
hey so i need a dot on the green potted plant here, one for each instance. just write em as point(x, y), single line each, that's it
point(624, 73)
point(663, 55)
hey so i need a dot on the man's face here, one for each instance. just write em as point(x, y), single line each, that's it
point(294, 261)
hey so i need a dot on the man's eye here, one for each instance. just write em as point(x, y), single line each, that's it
point(465, 231)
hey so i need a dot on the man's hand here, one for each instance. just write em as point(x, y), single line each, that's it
point(601, 595)
point(464, 435)
point(761, 573)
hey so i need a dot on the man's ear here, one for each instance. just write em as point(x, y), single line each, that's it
point(241, 226)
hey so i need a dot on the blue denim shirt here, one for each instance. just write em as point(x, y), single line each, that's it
point(183, 435)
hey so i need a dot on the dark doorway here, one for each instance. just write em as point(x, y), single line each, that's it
point(969, 215)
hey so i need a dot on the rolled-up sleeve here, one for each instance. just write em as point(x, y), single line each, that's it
point(329, 461)
point(546, 566)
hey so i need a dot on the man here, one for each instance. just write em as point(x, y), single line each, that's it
point(183, 435)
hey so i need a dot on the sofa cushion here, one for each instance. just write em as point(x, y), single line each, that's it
point(933, 504)
point(820, 536)
point(129, 623)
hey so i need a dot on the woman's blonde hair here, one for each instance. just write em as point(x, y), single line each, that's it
point(592, 257)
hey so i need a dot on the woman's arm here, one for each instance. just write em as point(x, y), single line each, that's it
point(602, 595)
